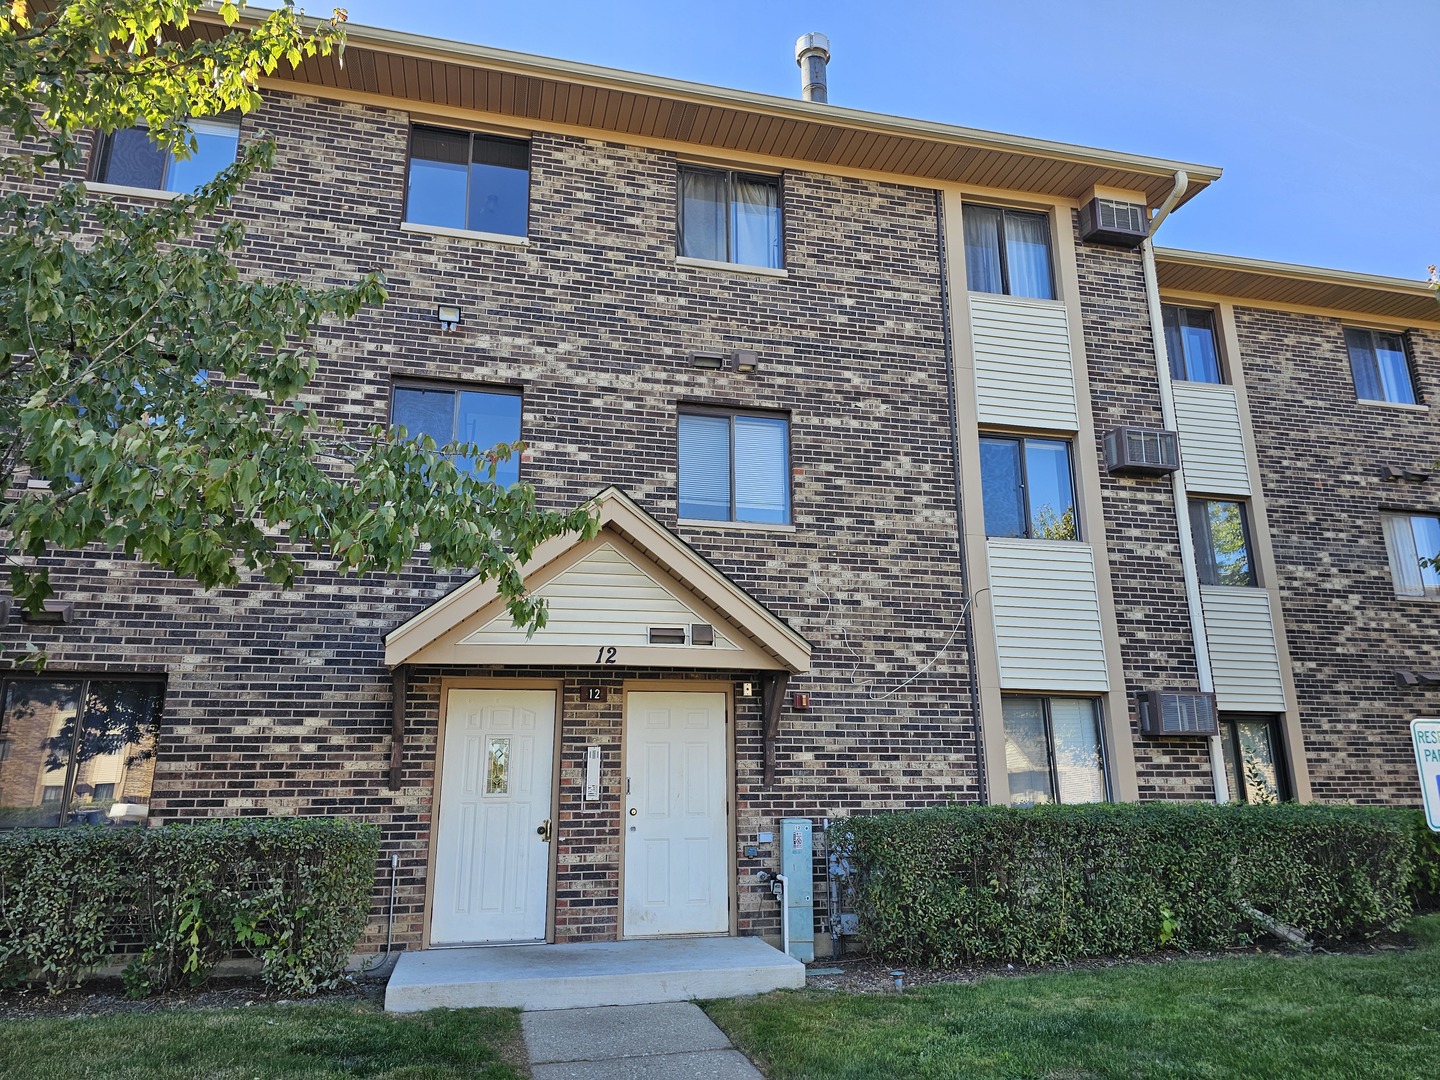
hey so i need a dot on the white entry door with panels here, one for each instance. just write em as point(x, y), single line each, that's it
point(676, 829)
point(492, 848)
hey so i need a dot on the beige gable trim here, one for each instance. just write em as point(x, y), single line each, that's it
point(450, 631)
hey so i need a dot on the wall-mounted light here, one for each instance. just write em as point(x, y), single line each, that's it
point(746, 361)
point(54, 612)
point(448, 316)
point(800, 702)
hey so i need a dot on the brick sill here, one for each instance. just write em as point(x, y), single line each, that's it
point(95, 188)
point(1403, 406)
point(464, 234)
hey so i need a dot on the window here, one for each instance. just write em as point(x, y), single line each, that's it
point(482, 417)
point(131, 158)
point(1190, 343)
point(465, 180)
point(1410, 539)
point(1252, 758)
point(1377, 360)
point(1008, 251)
point(77, 746)
point(734, 467)
point(1027, 488)
point(1053, 750)
point(730, 217)
point(1222, 542)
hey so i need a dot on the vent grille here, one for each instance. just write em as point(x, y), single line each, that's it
point(1110, 221)
point(667, 635)
point(1165, 713)
point(1141, 451)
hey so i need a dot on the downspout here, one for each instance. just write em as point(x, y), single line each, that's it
point(1203, 671)
point(967, 608)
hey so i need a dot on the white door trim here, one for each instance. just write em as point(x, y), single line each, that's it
point(448, 684)
point(731, 868)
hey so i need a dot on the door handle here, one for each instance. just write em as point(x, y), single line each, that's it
point(545, 831)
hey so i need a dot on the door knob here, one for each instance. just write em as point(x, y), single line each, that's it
point(545, 831)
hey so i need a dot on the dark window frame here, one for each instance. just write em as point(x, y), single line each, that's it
point(471, 134)
point(104, 140)
point(1207, 569)
point(405, 382)
point(778, 179)
point(1004, 254)
point(1230, 736)
point(1098, 711)
point(83, 679)
point(1021, 439)
point(1405, 351)
point(689, 409)
point(1180, 368)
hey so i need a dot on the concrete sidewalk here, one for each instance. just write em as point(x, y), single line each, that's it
point(670, 1041)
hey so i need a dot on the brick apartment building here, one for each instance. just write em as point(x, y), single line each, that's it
point(879, 412)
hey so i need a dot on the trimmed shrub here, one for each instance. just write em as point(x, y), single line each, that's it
point(292, 892)
point(1053, 883)
point(1425, 885)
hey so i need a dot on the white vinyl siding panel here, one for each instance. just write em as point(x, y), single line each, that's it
point(1024, 375)
point(604, 599)
point(1046, 606)
point(1244, 658)
point(1212, 442)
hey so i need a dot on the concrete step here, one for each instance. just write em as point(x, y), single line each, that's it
point(589, 974)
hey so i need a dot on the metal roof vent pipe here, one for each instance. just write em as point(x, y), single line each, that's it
point(812, 53)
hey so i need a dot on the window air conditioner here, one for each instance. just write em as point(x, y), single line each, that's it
point(1109, 221)
point(1166, 713)
point(1133, 451)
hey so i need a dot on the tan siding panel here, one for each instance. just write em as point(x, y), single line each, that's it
point(1243, 653)
point(1023, 371)
point(1046, 610)
point(1212, 444)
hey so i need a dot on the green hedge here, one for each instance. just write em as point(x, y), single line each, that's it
point(1053, 883)
point(292, 892)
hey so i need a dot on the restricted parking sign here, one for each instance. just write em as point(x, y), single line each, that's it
point(1425, 734)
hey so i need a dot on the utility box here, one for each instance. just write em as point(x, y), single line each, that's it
point(797, 863)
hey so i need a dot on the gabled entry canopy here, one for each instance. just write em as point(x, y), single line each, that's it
point(636, 595)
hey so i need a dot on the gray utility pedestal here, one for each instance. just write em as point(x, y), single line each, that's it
point(589, 974)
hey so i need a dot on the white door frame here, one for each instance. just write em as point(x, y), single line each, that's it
point(670, 686)
point(472, 683)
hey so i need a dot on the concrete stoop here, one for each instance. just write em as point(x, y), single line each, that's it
point(589, 974)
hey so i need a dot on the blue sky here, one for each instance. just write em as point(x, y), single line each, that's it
point(1325, 115)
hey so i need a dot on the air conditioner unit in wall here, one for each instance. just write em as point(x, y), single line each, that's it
point(1165, 713)
point(1109, 221)
point(1133, 451)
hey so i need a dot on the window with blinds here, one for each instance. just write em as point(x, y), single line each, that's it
point(734, 467)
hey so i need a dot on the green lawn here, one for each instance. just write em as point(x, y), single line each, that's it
point(308, 1041)
point(1368, 1016)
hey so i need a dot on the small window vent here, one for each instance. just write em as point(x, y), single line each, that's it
point(1109, 221)
point(667, 635)
point(1164, 713)
point(1133, 451)
point(702, 634)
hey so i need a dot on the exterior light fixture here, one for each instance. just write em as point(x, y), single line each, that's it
point(746, 361)
point(448, 316)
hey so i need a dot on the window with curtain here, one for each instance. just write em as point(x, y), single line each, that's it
point(77, 750)
point(1053, 750)
point(730, 217)
point(1253, 770)
point(734, 467)
point(129, 157)
point(1190, 344)
point(1008, 252)
point(1026, 488)
point(1221, 532)
point(1411, 540)
point(1379, 365)
point(483, 418)
point(466, 180)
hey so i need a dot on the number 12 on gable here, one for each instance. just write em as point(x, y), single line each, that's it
point(1425, 733)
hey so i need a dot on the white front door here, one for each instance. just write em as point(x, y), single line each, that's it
point(677, 833)
point(492, 850)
